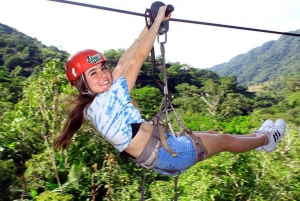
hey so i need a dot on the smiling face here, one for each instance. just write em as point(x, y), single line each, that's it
point(98, 78)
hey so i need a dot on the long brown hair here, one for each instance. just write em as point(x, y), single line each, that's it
point(76, 116)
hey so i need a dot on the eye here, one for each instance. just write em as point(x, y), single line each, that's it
point(104, 67)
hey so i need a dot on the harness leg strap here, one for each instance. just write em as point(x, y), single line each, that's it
point(164, 141)
point(198, 144)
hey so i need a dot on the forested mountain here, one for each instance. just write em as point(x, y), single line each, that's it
point(271, 61)
point(20, 56)
point(20, 50)
point(34, 100)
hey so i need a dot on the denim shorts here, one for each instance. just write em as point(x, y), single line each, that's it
point(186, 153)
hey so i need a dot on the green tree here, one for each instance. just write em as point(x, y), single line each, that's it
point(148, 100)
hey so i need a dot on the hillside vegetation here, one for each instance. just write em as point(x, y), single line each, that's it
point(271, 61)
point(36, 96)
point(20, 56)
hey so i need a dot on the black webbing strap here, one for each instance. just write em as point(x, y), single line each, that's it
point(143, 185)
point(167, 93)
point(153, 63)
point(160, 86)
point(149, 19)
point(176, 185)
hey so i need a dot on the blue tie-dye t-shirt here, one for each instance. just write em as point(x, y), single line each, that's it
point(112, 113)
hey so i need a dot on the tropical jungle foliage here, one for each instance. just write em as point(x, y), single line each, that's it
point(35, 99)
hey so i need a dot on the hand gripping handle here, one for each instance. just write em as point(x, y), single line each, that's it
point(169, 9)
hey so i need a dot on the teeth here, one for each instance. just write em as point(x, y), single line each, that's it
point(104, 82)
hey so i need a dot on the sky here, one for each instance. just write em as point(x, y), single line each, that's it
point(72, 28)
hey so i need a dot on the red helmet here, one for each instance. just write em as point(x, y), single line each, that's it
point(81, 61)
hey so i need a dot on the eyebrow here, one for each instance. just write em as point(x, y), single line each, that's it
point(90, 70)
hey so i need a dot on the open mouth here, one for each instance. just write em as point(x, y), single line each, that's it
point(104, 83)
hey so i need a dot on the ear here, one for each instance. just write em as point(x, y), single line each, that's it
point(72, 83)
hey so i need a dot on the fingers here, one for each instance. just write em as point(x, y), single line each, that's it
point(168, 17)
point(161, 14)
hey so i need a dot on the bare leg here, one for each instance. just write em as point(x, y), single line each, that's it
point(236, 135)
point(216, 143)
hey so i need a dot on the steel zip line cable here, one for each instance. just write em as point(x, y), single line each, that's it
point(176, 20)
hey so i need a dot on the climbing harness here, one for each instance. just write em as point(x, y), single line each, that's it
point(148, 158)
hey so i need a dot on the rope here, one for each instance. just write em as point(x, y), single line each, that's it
point(177, 20)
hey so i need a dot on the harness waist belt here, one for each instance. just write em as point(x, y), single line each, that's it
point(148, 150)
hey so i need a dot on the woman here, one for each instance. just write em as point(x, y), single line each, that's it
point(104, 100)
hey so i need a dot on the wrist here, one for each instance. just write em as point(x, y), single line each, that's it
point(157, 22)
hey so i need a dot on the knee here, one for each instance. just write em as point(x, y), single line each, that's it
point(227, 140)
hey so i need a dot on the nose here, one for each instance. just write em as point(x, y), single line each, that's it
point(103, 75)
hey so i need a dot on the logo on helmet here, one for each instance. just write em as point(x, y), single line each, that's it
point(93, 59)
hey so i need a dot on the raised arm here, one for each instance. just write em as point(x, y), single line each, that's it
point(127, 55)
point(142, 50)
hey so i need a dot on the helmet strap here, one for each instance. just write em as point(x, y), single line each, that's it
point(87, 89)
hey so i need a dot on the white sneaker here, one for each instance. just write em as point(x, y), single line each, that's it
point(265, 126)
point(275, 135)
